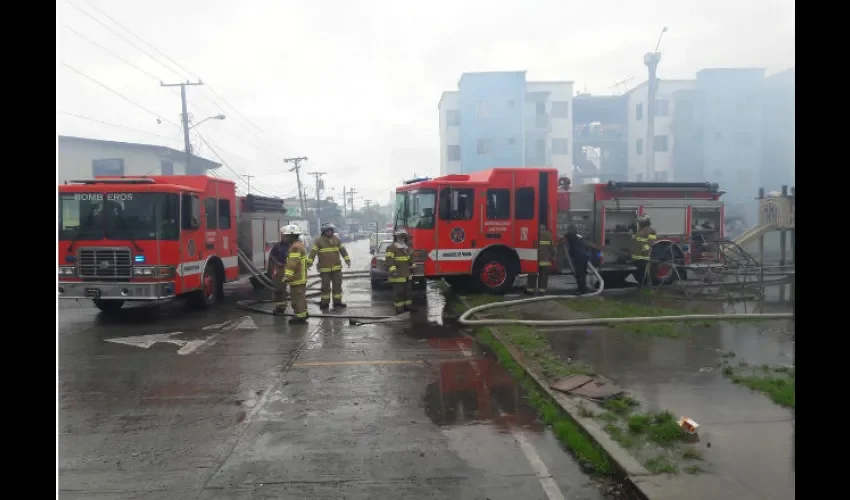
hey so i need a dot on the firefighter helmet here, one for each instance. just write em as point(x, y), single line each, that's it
point(291, 229)
point(328, 225)
point(644, 219)
point(401, 232)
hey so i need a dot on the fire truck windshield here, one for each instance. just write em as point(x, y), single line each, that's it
point(415, 209)
point(119, 216)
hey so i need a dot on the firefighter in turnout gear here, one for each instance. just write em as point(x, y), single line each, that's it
point(537, 282)
point(401, 266)
point(295, 273)
point(277, 267)
point(643, 239)
point(329, 249)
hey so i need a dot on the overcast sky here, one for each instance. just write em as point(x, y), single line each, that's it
point(354, 85)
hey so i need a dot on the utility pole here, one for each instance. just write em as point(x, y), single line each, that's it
point(344, 209)
point(368, 203)
point(248, 176)
point(296, 161)
point(319, 187)
point(651, 60)
point(187, 144)
point(351, 198)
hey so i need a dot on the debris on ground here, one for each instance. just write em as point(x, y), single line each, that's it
point(586, 386)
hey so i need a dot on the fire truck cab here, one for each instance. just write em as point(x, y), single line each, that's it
point(147, 238)
point(482, 228)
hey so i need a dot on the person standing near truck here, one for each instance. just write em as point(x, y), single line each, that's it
point(578, 250)
point(642, 241)
point(401, 266)
point(329, 248)
point(277, 266)
point(537, 282)
point(295, 273)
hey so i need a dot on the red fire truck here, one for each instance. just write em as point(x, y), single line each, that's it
point(482, 228)
point(158, 237)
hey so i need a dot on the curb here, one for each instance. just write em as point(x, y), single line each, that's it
point(629, 470)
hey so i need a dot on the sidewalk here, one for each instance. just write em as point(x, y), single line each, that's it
point(746, 441)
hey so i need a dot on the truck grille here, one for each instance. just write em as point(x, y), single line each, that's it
point(105, 263)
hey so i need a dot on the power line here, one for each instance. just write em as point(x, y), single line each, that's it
point(223, 162)
point(113, 54)
point(118, 126)
point(119, 94)
point(175, 63)
point(119, 35)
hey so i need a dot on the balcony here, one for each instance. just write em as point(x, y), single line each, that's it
point(597, 135)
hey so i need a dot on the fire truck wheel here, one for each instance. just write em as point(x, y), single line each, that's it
point(108, 305)
point(661, 272)
point(495, 271)
point(210, 288)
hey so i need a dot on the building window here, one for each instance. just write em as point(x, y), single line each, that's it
point(453, 153)
point(166, 167)
point(540, 108)
point(482, 109)
point(511, 141)
point(639, 147)
point(560, 109)
point(224, 214)
point(484, 146)
point(498, 204)
point(456, 204)
point(660, 143)
point(560, 146)
point(108, 166)
point(662, 107)
point(639, 111)
point(210, 207)
point(524, 208)
point(453, 117)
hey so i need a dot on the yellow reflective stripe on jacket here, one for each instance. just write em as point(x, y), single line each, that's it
point(545, 242)
point(397, 280)
point(392, 269)
point(294, 254)
point(544, 264)
point(390, 254)
point(402, 259)
point(289, 272)
point(328, 249)
point(653, 237)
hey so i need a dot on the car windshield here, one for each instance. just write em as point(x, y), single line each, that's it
point(119, 216)
point(382, 248)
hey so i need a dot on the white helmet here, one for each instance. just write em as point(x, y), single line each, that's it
point(291, 229)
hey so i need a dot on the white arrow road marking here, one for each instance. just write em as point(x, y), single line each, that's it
point(188, 346)
point(145, 341)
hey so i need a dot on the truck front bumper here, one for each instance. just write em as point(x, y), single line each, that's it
point(111, 290)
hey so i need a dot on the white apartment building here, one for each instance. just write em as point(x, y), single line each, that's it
point(481, 128)
point(663, 141)
point(449, 111)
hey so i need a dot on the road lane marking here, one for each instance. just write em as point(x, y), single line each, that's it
point(358, 363)
point(550, 487)
point(188, 346)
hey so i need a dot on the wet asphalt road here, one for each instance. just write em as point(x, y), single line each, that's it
point(241, 405)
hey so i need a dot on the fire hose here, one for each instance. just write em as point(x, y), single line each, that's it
point(314, 279)
point(465, 318)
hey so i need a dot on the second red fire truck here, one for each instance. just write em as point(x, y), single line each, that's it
point(482, 228)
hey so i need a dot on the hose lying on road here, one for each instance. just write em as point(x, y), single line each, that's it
point(465, 320)
point(314, 279)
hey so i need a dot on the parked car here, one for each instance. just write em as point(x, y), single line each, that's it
point(378, 273)
point(376, 238)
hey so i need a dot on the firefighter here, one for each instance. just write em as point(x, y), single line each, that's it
point(643, 239)
point(578, 250)
point(401, 266)
point(329, 248)
point(295, 273)
point(277, 266)
point(537, 282)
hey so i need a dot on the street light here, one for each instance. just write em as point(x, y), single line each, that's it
point(216, 117)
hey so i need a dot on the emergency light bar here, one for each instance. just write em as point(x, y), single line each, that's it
point(418, 179)
point(121, 180)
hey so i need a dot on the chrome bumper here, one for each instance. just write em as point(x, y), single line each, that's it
point(110, 290)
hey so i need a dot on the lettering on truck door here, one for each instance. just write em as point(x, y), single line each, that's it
point(458, 238)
